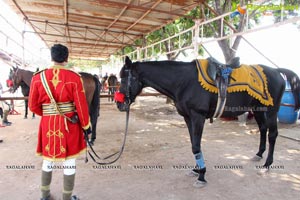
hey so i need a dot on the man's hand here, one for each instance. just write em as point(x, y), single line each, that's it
point(88, 132)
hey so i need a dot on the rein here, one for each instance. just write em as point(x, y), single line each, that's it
point(118, 153)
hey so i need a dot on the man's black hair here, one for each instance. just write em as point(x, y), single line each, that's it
point(59, 53)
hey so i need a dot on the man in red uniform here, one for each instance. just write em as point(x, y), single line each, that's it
point(57, 94)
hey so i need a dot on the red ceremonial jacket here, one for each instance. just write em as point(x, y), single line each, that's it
point(58, 138)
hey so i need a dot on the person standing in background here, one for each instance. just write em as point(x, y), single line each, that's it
point(4, 109)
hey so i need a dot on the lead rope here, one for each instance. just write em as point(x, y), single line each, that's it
point(118, 152)
point(124, 138)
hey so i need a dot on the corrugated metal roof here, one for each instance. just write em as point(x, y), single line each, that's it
point(98, 28)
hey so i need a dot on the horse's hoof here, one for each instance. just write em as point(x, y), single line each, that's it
point(192, 173)
point(199, 184)
point(25, 117)
point(263, 172)
point(256, 158)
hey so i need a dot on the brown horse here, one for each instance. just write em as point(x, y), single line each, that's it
point(91, 86)
point(112, 85)
point(103, 83)
point(25, 91)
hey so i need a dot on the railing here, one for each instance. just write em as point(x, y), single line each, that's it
point(197, 33)
point(101, 96)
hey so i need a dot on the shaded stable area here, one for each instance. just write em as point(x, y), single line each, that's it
point(158, 151)
point(156, 158)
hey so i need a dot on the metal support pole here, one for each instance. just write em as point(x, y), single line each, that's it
point(282, 10)
point(138, 54)
point(23, 44)
point(23, 49)
point(196, 38)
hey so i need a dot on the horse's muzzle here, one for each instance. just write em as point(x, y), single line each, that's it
point(12, 89)
point(123, 106)
point(123, 103)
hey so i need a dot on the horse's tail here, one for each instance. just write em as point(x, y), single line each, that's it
point(294, 81)
point(95, 105)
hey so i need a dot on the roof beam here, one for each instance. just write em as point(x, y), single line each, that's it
point(66, 16)
point(80, 45)
point(80, 26)
point(80, 38)
point(142, 17)
point(141, 8)
point(111, 24)
point(100, 26)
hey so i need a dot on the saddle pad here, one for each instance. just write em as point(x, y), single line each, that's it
point(249, 78)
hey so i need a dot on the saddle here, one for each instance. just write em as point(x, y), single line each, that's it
point(215, 67)
point(220, 74)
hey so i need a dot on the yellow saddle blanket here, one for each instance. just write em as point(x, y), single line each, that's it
point(249, 78)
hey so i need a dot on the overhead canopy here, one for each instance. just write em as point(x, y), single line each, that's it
point(98, 28)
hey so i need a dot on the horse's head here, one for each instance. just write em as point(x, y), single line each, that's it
point(14, 77)
point(130, 87)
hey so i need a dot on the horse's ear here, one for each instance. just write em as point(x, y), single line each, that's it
point(15, 68)
point(128, 62)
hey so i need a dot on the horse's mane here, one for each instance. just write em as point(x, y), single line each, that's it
point(27, 79)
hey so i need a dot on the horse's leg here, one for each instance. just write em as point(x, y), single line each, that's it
point(94, 125)
point(113, 93)
point(195, 171)
point(26, 109)
point(1, 112)
point(273, 133)
point(261, 121)
point(196, 124)
point(109, 94)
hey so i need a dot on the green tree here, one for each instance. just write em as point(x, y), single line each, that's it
point(207, 10)
point(165, 32)
point(289, 9)
point(85, 65)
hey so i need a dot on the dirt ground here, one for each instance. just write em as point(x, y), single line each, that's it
point(156, 159)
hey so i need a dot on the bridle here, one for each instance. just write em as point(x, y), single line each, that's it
point(128, 100)
point(118, 153)
point(15, 79)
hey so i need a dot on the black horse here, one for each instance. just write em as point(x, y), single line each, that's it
point(91, 86)
point(112, 85)
point(179, 81)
